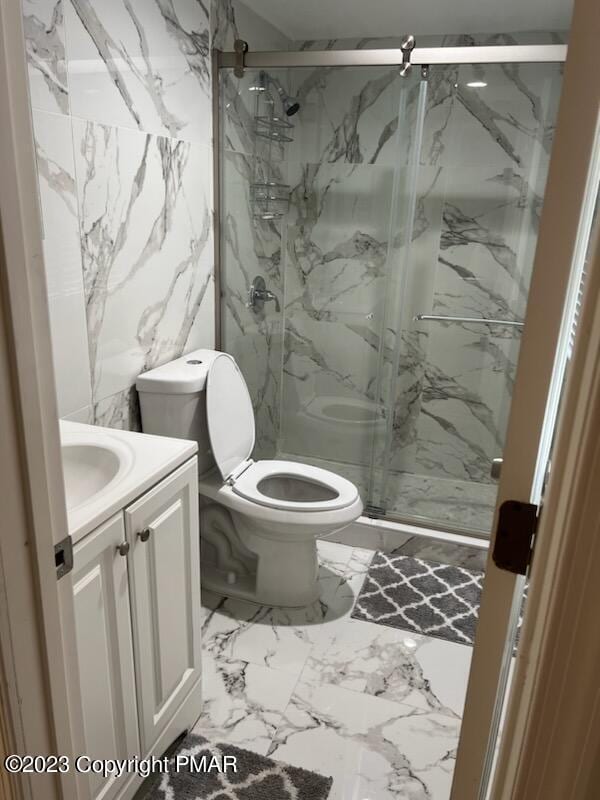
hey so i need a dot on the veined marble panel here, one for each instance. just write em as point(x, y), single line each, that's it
point(242, 703)
point(402, 751)
point(146, 231)
point(44, 32)
point(143, 64)
point(233, 19)
point(394, 665)
point(507, 122)
point(62, 259)
point(351, 115)
point(251, 247)
point(337, 250)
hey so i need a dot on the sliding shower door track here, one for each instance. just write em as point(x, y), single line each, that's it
point(381, 514)
point(495, 54)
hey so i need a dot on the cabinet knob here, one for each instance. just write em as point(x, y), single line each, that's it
point(144, 534)
point(123, 548)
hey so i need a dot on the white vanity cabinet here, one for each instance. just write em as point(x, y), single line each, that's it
point(136, 583)
point(105, 650)
point(162, 527)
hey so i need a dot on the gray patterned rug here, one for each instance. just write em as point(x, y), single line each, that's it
point(256, 778)
point(439, 600)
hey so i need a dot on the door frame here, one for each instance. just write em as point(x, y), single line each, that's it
point(531, 410)
point(550, 747)
point(36, 611)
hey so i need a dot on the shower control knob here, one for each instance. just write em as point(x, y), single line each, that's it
point(144, 534)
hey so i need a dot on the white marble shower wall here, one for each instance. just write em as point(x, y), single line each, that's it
point(482, 170)
point(121, 98)
point(251, 246)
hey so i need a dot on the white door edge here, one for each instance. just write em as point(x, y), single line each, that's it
point(559, 228)
point(37, 609)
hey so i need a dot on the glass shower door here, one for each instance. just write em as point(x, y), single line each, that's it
point(486, 137)
point(310, 209)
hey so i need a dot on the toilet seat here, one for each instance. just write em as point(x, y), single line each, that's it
point(248, 485)
point(277, 485)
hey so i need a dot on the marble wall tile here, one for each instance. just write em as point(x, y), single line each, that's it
point(252, 247)
point(146, 232)
point(232, 19)
point(335, 284)
point(43, 23)
point(143, 65)
point(349, 115)
point(62, 259)
point(122, 410)
point(125, 176)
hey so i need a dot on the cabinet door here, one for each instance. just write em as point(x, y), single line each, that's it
point(162, 527)
point(105, 651)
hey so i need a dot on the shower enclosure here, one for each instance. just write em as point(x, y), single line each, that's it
point(373, 259)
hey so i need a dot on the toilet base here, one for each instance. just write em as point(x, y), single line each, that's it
point(242, 558)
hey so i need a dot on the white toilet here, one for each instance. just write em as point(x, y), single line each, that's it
point(259, 520)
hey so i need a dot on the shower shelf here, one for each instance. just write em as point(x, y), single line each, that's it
point(271, 185)
point(273, 135)
point(269, 196)
point(274, 122)
point(270, 215)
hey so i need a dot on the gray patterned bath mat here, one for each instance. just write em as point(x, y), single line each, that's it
point(439, 600)
point(256, 777)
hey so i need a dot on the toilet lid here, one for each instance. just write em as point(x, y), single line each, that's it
point(229, 415)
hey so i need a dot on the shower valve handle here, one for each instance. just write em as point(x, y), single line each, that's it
point(258, 295)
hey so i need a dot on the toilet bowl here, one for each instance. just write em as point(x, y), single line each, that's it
point(259, 520)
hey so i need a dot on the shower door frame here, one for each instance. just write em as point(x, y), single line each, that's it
point(419, 57)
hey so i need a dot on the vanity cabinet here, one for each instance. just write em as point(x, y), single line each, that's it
point(136, 584)
point(162, 527)
point(105, 651)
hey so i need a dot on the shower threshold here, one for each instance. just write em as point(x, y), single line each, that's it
point(389, 535)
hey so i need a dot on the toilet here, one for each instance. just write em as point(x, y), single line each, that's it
point(259, 520)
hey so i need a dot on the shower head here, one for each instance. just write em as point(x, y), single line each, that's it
point(290, 104)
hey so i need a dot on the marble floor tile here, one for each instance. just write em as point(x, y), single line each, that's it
point(444, 552)
point(334, 556)
point(359, 562)
point(279, 638)
point(426, 673)
point(375, 707)
point(242, 702)
point(373, 748)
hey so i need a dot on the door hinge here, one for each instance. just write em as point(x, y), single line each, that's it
point(63, 557)
point(515, 532)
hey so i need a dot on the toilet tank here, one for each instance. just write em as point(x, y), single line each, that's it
point(173, 401)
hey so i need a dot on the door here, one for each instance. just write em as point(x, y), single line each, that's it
point(105, 651)
point(162, 529)
point(564, 230)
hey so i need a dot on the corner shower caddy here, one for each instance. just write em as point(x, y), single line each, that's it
point(270, 197)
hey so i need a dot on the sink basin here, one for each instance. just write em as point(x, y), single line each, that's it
point(106, 469)
point(88, 470)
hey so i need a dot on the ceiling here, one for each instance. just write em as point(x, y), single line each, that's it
point(340, 19)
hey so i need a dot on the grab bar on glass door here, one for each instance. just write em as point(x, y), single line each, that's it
point(439, 318)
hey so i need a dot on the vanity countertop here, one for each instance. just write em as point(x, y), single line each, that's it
point(105, 469)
